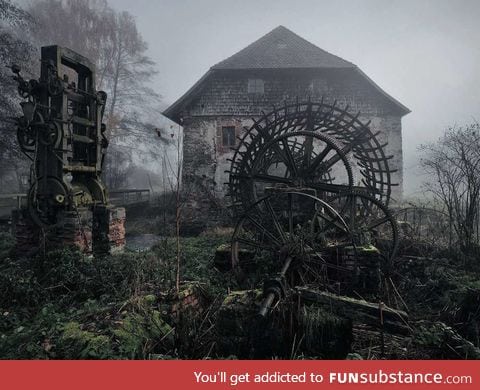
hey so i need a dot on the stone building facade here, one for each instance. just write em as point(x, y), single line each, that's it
point(279, 67)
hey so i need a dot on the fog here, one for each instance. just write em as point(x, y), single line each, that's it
point(424, 53)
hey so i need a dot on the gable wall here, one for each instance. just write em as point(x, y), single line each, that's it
point(226, 93)
point(225, 101)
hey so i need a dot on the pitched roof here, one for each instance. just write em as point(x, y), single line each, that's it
point(279, 49)
point(282, 48)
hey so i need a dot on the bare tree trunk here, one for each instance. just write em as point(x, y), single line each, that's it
point(177, 231)
point(178, 207)
point(116, 77)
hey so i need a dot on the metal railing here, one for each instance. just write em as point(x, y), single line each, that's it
point(128, 197)
point(9, 202)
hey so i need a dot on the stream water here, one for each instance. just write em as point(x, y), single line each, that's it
point(142, 242)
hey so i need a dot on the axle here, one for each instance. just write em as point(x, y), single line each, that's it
point(274, 289)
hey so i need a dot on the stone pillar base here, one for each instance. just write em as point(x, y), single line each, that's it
point(26, 233)
point(108, 229)
point(75, 229)
point(100, 230)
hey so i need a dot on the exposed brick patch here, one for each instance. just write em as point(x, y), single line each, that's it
point(191, 298)
point(101, 231)
point(108, 229)
point(75, 230)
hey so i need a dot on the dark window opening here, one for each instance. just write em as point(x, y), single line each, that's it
point(256, 86)
point(228, 136)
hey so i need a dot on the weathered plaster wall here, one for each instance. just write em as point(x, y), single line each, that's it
point(226, 92)
point(225, 101)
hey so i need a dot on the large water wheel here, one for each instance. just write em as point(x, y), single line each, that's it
point(309, 187)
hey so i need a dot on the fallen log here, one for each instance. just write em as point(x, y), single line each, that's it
point(359, 311)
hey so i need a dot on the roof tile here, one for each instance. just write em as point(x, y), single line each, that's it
point(280, 49)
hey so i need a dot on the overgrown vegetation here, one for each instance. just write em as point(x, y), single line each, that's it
point(66, 305)
point(70, 306)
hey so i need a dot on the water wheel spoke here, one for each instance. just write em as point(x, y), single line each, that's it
point(291, 161)
point(357, 140)
point(352, 210)
point(330, 187)
point(290, 213)
point(308, 152)
point(377, 222)
point(276, 222)
point(271, 178)
point(345, 150)
point(283, 156)
point(263, 177)
point(367, 207)
point(331, 222)
point(263, 229)
point(252, 243)
point(315, 163)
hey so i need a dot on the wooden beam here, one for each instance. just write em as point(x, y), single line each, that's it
point(359, 311)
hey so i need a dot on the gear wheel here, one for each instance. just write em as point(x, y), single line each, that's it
point(271, 139)
point(45, 198)
point(298, 159)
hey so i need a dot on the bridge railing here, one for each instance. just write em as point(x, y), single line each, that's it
point(130, 196)
point(9, 202)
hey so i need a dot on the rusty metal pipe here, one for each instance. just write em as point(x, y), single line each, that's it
point(273, 296)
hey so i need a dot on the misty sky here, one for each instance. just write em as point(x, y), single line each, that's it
point(424, 53)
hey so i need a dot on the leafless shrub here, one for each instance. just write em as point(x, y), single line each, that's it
point(453, 163)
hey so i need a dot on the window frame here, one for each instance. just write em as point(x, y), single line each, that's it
point(230, 137)
point(256, 86)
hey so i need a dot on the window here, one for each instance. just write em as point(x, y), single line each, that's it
point(319, 86)
point(228, 136)
point(256, 86)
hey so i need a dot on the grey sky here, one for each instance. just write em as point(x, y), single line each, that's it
point(425, 53)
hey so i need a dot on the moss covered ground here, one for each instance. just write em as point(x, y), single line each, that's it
point(66, 305)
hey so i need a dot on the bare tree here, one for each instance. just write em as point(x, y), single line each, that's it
point(453, 163)
point(14, 49)
point(172, 177)
point(110, 39)
point(179, 204)
point(130, 69)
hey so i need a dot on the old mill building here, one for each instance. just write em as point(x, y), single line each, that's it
point(280, 66)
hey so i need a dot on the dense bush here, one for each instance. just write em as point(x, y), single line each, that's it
point(67, 305)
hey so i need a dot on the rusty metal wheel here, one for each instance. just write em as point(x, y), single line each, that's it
point(45, 198)
point(271, 142)
point(370, 223)
point(279, 225)
point(297, 160)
